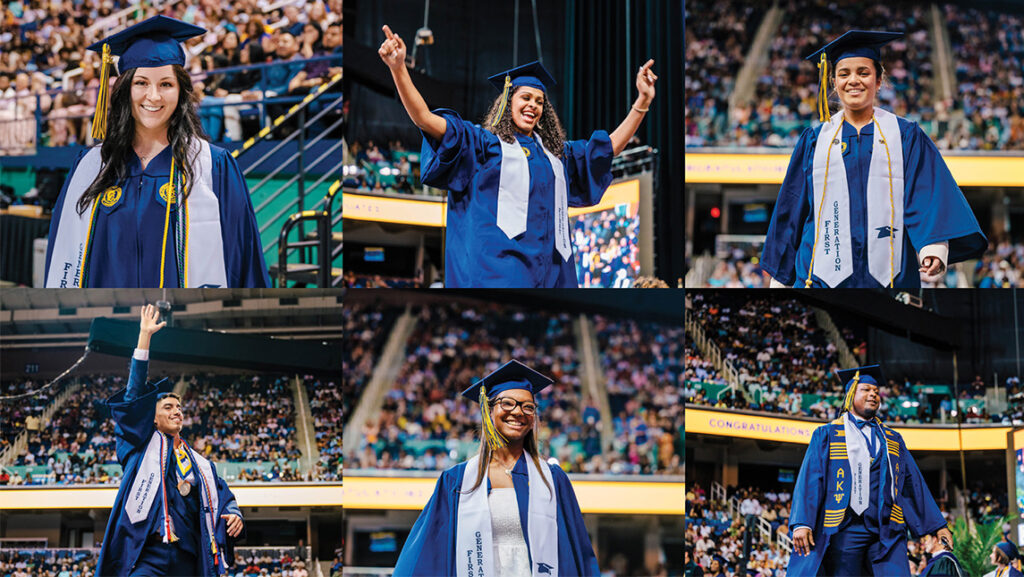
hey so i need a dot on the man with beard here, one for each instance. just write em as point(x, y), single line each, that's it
point(858, 492)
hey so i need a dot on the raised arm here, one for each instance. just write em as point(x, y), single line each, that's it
point(148, 326)
point(645, 79)
point(392, 52)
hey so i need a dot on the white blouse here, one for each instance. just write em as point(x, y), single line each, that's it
point(512, 557)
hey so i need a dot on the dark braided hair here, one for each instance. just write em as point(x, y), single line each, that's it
point(183, 128)
point(548, 126)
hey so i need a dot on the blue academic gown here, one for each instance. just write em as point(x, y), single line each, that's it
point(430, 548)
point(467, 163)
point(822, 491)
point(125, 248)
point(133, 410)
point(935, 210)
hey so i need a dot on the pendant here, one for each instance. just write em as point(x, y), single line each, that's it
point(508, 472)
point(184, 487)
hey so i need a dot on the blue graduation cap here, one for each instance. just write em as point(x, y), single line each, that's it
point(1009, 549)
point(865, 43)
point(532, 74)
point(511, 375)
point(850, 378)
point(152, 43)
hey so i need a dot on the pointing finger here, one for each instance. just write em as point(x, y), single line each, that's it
point(388, 32)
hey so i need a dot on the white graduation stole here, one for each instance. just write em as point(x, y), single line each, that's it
point(474, 543)
point(514, 195)
point(833, 256)
point(204, 254)
point(860, 466)
point(149, 483)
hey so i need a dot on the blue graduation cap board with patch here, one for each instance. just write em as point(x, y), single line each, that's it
point(862, 207)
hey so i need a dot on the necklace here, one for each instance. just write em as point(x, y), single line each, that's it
point(507, 469)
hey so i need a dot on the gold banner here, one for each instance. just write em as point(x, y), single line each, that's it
point(744, 426)
point(714, 168)
point(625, 497)
point(419, 211)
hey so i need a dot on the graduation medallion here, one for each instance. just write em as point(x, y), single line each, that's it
point(184, 487)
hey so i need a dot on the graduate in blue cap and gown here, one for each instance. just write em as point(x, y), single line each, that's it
point(1004, 554)
point(173, 515)
point(504, 512)
point(858, 492)
point(867, 200)
point(511, 180)
point(156, 205)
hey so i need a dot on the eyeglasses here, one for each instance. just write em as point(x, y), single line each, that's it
point(508, 404)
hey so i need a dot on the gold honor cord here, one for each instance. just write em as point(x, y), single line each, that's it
point(821, 207)
point(99, 119)
point(167, 222)
point(504, 100)
point(892, 207)
point(83, 264)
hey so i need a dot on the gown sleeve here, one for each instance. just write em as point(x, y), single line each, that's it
point(574, 548)
point(919, 509)
point(809, 493)
point(936, 209)
point(782, 242)
point(451, 163)
point(428, 546)
point(58, 208)
point(133, 410)
point(589, 167)
point(243, 250)
point(228, 506)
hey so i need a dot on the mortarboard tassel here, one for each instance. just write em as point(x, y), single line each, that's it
point(494, 439)
point(824, 114)
point(99, 119)
point(848, 402)
point(504, 100)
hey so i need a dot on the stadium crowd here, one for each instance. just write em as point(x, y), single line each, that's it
point(248, 422)
point(421, 425)
point(47, 70)
point(986, 49)
point(607, 248)
point(21, 562)
point(326, 407)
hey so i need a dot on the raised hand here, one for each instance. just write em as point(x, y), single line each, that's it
point(392, 50)
point(645, 80)
point(149, 322)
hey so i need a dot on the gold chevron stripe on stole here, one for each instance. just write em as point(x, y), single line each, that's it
point(897, 514)
point(833, 517)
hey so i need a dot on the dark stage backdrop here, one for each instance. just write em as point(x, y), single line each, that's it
point(593, 48)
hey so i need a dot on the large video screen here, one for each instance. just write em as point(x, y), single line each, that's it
point(607, 240)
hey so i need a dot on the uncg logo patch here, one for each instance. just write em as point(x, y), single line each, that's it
point(166, 191)
point(526, 151)
point(110, 197)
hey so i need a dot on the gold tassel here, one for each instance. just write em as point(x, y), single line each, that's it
point(824, 114)
point(504, 100)
point(848, 402)
point(494, 439)
point(99, 119)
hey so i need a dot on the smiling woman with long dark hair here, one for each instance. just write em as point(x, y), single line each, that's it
point(505, 510)
point(511, 181)
point(155, 205)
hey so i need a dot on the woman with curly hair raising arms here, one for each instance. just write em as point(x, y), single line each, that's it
point(511, 180)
